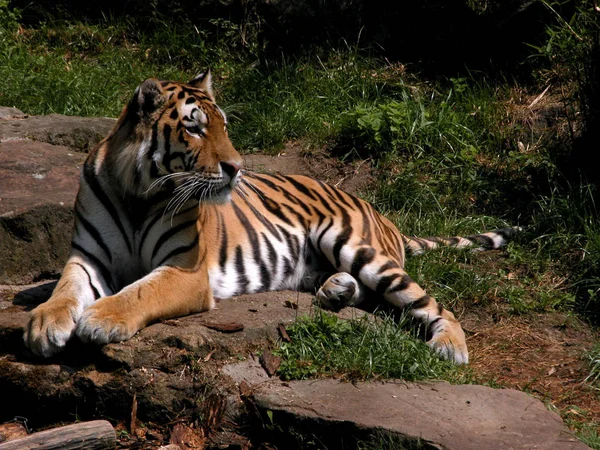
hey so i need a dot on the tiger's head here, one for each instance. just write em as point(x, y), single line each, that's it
point(173, 137)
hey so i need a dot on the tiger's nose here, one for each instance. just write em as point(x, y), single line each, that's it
point(230, 168)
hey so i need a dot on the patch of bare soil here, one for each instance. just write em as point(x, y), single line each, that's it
point(541, 354)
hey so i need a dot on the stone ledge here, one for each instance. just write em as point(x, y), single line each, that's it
point(432, 415)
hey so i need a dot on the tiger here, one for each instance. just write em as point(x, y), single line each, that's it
point(166, 220)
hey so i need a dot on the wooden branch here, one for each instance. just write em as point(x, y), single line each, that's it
point(94, 435)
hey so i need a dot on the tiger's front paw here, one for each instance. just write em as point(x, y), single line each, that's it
point(105, 321)
point(50, 326)
point(449, 342)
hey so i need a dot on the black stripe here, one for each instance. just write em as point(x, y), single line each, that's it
point(366, 223)
point(155, 219)
point(90, 177)
point(167, 157)
point(421, 302)
point(362, 257)
point(263, 180)
point(295, 247)
point(482, 240)
point(274, 208)
point(343, 238)
point(376, 224)
point(385, 283)
point(179, 251)
point(296, 200)
point(387, 266)
point(402, 285)
point(334, 194)
point(169, 234)
point(147, 230)
point(326, 204)
point(288, 268)
point(323, 234)
point(224, 244)
point(96, 293)
point(153, 142)
point(241, 270)
point(288, 240)
point(104, 272)
point(93, 231)
point(320, 215)
point(272, 255)
point(301, 217)
point(301, 187)
point(268, 225)
point(265, 277)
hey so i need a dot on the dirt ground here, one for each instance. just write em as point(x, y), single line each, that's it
point(541, 354)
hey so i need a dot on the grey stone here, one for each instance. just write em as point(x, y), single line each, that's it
point(38, 185)
point(250, 371)
point(439, 415)
point(6, 112)
point(77, 133)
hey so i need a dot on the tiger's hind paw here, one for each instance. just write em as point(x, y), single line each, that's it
point(338, 291)
point(449, 342)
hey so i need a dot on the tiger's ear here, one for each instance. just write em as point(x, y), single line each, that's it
point(204, 82)
point(148, 97)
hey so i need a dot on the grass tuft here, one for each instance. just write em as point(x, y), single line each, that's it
point(357, 349)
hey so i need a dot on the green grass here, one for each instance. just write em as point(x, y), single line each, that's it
point(362, 348)
point(590, 436)
point(593, 357)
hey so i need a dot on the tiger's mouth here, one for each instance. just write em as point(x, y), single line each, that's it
point(214, 189)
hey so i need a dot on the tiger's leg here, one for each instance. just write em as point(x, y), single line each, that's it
point(447, 336)
point(53, 323)
point(340, 290)
point(164, 293)
point(385, 276)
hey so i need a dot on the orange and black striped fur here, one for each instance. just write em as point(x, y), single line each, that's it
point(165, 221)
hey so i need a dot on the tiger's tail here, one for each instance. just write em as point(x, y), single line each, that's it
point(485, 241)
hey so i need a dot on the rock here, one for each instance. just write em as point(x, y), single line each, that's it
point(38, 185)
point(7, 112)
point(435, 415)
point(173, 367)
point(250, 371)
point(77, 133)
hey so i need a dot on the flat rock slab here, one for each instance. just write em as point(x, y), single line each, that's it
point(33, 174)
point(77, 133)
point(38, 185)
point(171, 366)
point(432, 415)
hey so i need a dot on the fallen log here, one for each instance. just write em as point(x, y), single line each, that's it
point(93, 435)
